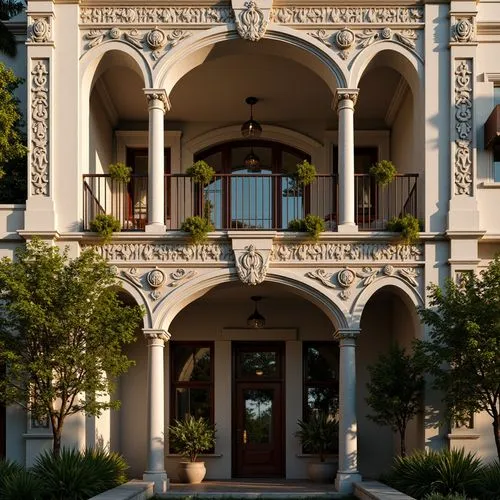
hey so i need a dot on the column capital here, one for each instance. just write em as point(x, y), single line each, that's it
point(155, 95)
point(153, 334)
point(346, 334)
point(343, 95)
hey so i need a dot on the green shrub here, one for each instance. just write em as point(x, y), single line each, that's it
point(201, 172)
point(79, 476)
point(22, 485)
point(318, 434)
point(198, 227)
point(383, 172)
point(105, 225)
point(120, 172)
point(409, 227)
point(490, 482)
point(448, 472)
point(312, 224)
point(305, 174)
point(191, 436)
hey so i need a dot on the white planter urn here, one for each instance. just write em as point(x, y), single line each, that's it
point(191, 472)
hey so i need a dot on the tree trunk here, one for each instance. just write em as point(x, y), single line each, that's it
point(56, 433)
point(402, 441)
point(496, 431)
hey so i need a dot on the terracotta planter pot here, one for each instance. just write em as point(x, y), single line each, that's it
point(191, 472)
point(321, 472)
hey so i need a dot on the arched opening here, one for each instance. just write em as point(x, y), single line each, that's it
point(399, 324)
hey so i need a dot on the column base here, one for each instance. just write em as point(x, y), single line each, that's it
point(344, 482)
point(155, 228)
point(161, 480)
point(349, 227)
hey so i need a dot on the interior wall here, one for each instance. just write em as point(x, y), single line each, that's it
point(402, 137)
point(100, 137)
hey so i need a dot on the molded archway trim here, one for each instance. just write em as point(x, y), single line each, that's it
point(408, 291)
point(271, 133)
point(139, 299)
point(311, 53)
point(196, 288)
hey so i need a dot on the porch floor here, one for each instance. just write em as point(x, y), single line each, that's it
point(253, 488)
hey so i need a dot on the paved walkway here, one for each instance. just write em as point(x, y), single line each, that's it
point(253, 489)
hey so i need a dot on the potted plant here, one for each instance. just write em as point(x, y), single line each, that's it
point(201, 173)
point(120, 172)
point(383, 172)
point(105, 225)
point(312, 224)
point(190, 437)
point(319, 435)
point(305, 173)
point(409, 227)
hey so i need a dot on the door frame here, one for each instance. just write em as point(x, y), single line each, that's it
point(280, 379)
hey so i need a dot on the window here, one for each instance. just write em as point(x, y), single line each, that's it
point(192, 380)
point(321, 386)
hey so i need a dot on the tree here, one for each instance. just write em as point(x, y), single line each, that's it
point(62, 328)
point(8, 8)
point(463, 348)
point(12, 141)
point(395, 390)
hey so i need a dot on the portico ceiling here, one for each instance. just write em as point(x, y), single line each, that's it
point(288, 91)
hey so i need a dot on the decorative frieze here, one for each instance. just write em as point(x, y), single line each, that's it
point(346, 252)
point(463, 29)
point(346, 279)
point(155, 40)
point(156, 15)
point(224, 14)
point(252, 265)
point(346, 39)
point(463, 127)
point(39, 157)
point(150, 252)
point(39, 29)
point(348, 15)
point(252, 21)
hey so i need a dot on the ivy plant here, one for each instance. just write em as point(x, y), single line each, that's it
point(105, 225)
point(409, 227)
point(312, 224)
point(383, 172)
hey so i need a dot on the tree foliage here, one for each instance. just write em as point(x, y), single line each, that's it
point(395, 390)
point(62, 328)
point(463, 349)
point(12, 141)
point(8, 9)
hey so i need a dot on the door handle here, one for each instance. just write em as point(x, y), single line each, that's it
point(245, 437)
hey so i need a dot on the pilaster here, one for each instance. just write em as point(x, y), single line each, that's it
point(40, 211)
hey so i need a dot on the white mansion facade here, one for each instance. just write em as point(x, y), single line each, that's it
point(340, 84)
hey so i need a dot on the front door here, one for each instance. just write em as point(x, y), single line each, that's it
point(258, 410)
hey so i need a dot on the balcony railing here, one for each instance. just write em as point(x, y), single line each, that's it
point(248, 201)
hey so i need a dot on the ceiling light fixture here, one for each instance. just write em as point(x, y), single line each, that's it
point(256, 320)
point(251, 128)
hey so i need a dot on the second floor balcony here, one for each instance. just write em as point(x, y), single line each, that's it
point(247, 201)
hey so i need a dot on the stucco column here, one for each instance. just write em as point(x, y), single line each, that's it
point(158, 103)
point(345, 101)
point(347, 473)
point(156, 409)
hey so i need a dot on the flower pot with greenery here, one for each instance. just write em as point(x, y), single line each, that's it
point(201, 173)
point(409, 227)
point(190, 437)
point(105, 225)
point(319, 435)
point(312, 224)
point(383, 172)
point(120, 172)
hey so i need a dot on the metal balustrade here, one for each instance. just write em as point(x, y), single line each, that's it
point(253, 201)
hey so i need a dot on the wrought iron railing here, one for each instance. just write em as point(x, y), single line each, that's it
point(248, 201)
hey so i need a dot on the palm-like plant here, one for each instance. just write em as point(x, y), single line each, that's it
point(8, 8)
point(191, 436)
point(318, 434)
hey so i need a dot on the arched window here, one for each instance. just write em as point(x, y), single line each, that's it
point(261, 195)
